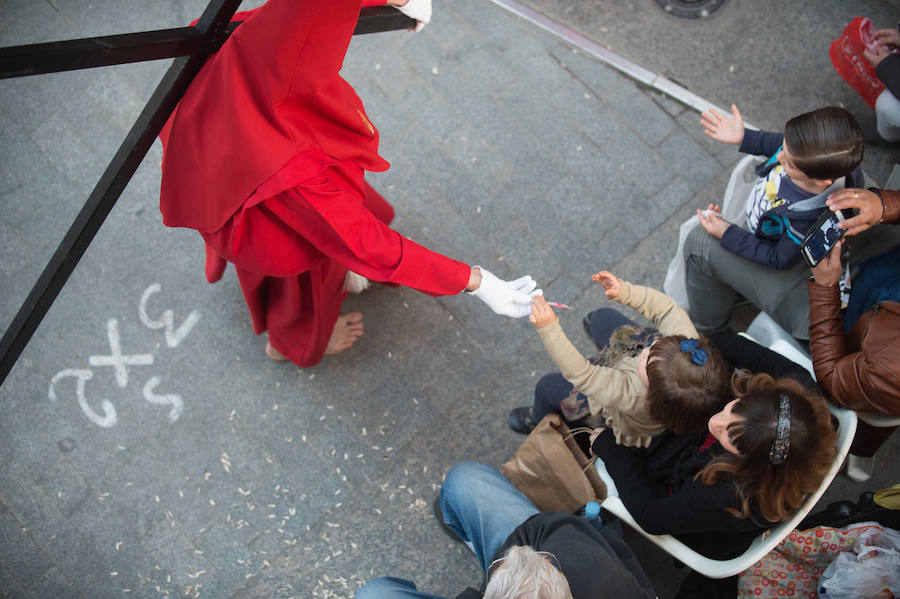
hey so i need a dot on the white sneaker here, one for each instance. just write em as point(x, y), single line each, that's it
point(859, 469)
point(355, 283)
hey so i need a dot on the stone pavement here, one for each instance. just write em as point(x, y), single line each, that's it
point(149, 448)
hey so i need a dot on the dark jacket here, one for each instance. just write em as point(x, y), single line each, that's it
point(859, 370)
point(780, 232)
point(888, 70)
point(658, 487)
point(597, 563)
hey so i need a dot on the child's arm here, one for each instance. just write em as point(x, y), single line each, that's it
point(657, 307)
point(780, 254)
point(732, 131)
point(761, 143)
point(602, 385)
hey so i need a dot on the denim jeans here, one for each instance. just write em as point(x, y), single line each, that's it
point(482, 507)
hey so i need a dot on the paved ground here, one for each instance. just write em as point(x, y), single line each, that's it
point(201, 468)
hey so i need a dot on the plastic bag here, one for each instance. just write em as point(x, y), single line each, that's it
point(733, 203)
point(551, 470)
point(870, 569)
point(847, 57)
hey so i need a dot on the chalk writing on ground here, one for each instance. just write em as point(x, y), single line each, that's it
point(120, 362)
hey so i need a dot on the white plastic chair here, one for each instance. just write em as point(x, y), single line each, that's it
point(713, 568)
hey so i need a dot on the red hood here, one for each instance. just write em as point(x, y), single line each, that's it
point(271, 91)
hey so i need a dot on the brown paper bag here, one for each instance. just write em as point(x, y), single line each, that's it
point(552, 471)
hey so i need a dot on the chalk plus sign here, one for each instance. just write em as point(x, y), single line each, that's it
point(117, 360)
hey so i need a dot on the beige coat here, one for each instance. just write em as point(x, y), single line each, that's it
point(617, 393)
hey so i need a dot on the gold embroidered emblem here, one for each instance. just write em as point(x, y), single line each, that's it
point(366, 122)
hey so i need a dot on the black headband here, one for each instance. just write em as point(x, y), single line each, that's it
point(782, 444)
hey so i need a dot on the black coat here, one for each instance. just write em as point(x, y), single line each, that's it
point(597, 563)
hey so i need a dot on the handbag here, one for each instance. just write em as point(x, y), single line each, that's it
point(551, 470)
point(847, 57)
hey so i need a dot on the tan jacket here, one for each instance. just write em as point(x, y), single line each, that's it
point(617, 393)
point(860, 370)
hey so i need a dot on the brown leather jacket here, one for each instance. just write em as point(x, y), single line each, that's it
point(860, 370)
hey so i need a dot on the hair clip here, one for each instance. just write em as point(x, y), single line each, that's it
point(699, 356)
point(782, 443)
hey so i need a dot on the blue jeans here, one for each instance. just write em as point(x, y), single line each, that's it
point(552, 388)
point(482, 507)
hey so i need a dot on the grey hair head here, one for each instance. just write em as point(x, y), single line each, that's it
point(526, 574)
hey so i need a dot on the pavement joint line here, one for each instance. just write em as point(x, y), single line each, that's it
point(616, 61)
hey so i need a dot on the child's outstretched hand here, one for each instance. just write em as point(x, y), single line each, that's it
point(710, 220)
point(541, 312)
point(724, 129)
point(609, 281)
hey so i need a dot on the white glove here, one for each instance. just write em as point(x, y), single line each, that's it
point(510, 298)
point(420, 10)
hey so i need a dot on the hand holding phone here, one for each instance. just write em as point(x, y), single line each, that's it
point(822, 236)
point(828, 272)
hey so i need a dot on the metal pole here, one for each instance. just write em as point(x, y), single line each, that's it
point(86, 53)
point(212, 29)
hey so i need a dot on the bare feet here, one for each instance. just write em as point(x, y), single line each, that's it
point(347, 329)
point(274, 354)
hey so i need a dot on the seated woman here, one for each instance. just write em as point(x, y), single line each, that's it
point(718, 489)
point(856, 352)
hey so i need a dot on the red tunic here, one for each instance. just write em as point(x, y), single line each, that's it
point(265, 155)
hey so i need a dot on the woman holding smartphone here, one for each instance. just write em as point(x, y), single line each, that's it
point(856, 352)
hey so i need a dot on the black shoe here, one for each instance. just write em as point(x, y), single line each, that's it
point(519, 419)
point(586, 323)
point(439, 516)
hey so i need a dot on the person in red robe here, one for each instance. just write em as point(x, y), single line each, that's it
point(265, 156)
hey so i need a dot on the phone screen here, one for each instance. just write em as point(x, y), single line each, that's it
point(823, 239)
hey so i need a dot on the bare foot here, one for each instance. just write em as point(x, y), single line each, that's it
point(274, 354)
point(347, 329)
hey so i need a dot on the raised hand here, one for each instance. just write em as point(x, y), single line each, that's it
point(610, 282)
point(724, 129)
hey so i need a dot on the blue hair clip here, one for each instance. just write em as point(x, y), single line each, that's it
point(699, 356)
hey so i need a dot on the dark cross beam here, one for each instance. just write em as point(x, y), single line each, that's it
point(193, 45)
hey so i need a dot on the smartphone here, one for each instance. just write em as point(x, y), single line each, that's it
point(822, 236)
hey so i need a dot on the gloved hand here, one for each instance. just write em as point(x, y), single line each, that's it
point(420, 10)
point(510, 298)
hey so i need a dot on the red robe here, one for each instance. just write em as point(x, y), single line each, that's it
point(265, 155)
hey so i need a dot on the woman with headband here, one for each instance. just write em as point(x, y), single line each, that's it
point(759, 458)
